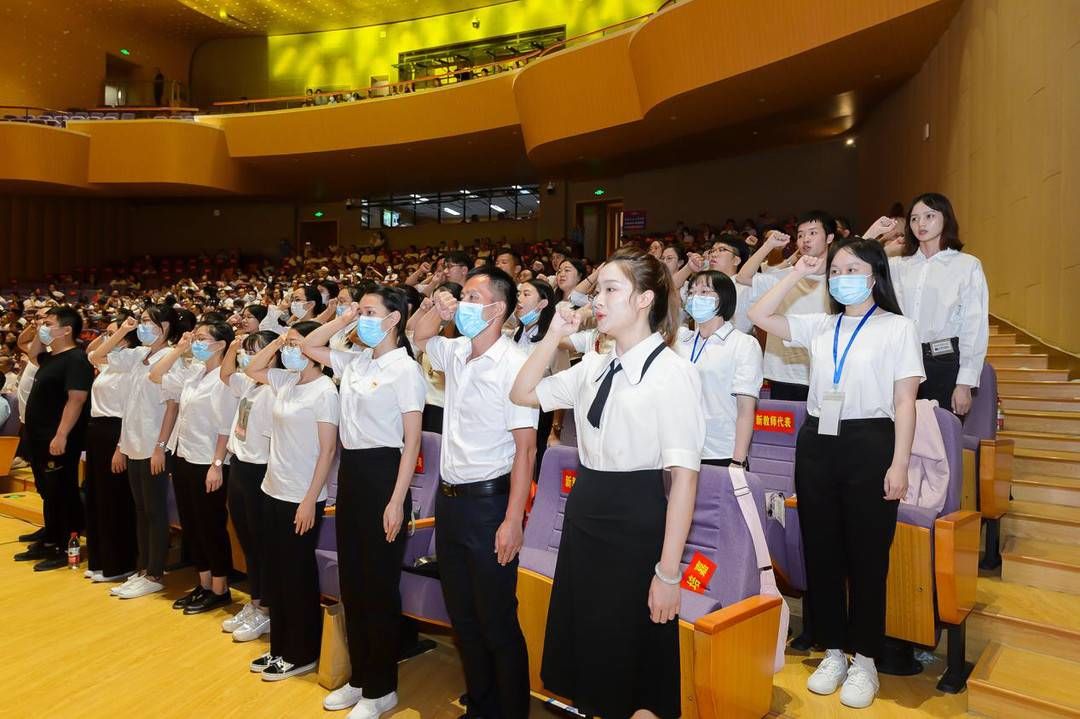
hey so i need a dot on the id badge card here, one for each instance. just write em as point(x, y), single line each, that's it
point(829, 419)
point(941, 347)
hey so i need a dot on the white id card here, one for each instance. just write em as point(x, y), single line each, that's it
point(774, 507)
point(829, 419)
point(941, 347)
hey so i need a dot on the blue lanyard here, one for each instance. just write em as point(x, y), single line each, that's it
point(694, 358)
point(839, 368)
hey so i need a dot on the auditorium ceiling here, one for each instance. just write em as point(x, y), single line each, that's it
point(280, 17)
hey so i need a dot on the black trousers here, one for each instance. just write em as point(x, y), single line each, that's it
point(543, 432)
point(246, 508)
point(941, 372)
point(110, 510)
point(481, 599)
point(57, 481)
point(369, 567)
point(847, 530)
point(788, 391)
point(203, 517)
point(150, 493)
point(291, 582)
point(431, 421)
point(718, 462)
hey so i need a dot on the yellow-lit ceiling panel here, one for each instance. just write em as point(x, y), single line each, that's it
point(279, 17)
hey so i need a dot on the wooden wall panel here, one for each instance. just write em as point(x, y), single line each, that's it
point(1000, 93)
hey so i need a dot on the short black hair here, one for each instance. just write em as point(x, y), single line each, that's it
point(503, 286)
point(508, 251)
point(256, 311)
point(219, 330)
point(457, 257)
point(724, 288)
point(68, 316)
point(826, 220)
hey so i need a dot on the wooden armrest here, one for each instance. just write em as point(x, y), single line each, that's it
point(956, 564)
point(725, 617)
point(995, 476)
point(734, 653)
point(425, 523)
point(791, 502)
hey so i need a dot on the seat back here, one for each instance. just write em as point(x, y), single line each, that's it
point(772, 459)
point(952, 435)
point(423, 487)
point(544, 530)
point(719, 532)
point(981, 420)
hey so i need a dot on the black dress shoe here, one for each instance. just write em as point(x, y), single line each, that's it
point(35, 553)
point(56, 560)
point(208, 601)
point(188, 598)
point(35, 536)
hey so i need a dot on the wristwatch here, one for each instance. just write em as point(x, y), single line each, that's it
point(163, 445)
point(218, 463)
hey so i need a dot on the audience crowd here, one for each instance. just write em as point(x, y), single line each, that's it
point(248, 383)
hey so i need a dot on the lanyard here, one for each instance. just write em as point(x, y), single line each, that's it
point(838, 368)
point(695, 357)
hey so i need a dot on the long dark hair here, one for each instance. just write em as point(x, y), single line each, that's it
point(645, 272)
point(542, 324)
point(950, 229)
point(870, 252)
point(257, 340)
point(395, 300)
point(160, 314)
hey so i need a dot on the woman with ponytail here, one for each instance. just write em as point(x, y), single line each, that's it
point(382, 401)
point(638, 412)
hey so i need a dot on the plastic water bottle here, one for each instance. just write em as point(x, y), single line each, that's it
point(1000, 417)
point(73, 551)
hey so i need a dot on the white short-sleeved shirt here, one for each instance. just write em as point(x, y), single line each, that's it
point(887, 349)
point(784, 363)
point(374, 395)
point(249, 435)
point(478, 417)
point(586, 341)
point(145, 408)
point(108, 394)
point(294, 443)
point(653, 421)
point(740, 319)
point(207, 408)
point(729, 364)
point(946, 296)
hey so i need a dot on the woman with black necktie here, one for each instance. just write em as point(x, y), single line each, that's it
point(638, 413)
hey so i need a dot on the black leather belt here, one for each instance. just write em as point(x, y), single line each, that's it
point(487, 488)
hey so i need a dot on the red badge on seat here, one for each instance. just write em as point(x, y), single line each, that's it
point(698, 573)
point(420, 463)
point(569, 476)
point(766, 421)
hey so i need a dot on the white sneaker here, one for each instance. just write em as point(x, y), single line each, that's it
point(116, 591)
point(830, 673)
point(99, 577)
point(234, 622)
point(141, 589)
point(373, 708)
point(253, 627)
point(342, 698)
point(860, 688)
point(88, 574)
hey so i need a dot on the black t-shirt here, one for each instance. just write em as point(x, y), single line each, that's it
point(56, 376)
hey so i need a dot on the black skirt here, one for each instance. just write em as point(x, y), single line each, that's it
point(601, 648)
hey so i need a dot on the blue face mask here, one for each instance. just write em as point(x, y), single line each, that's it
point(44, 334)
point(243, 359)
point(529, 317)
point(293, 358)
point(370, 331)
point(702, 308)
point(849, 289)
point(147, 332)
point(200, 350)
point(469, 318)
point(339, 310)
point(298, 309)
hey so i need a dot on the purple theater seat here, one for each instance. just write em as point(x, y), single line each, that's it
point(544, 529)
point(421, 595)
point(11, 425)
point(326, 557)
point(170, 504)
point(772, 458)
point(981, 421)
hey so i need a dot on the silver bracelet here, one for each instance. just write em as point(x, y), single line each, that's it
point(666, 580)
